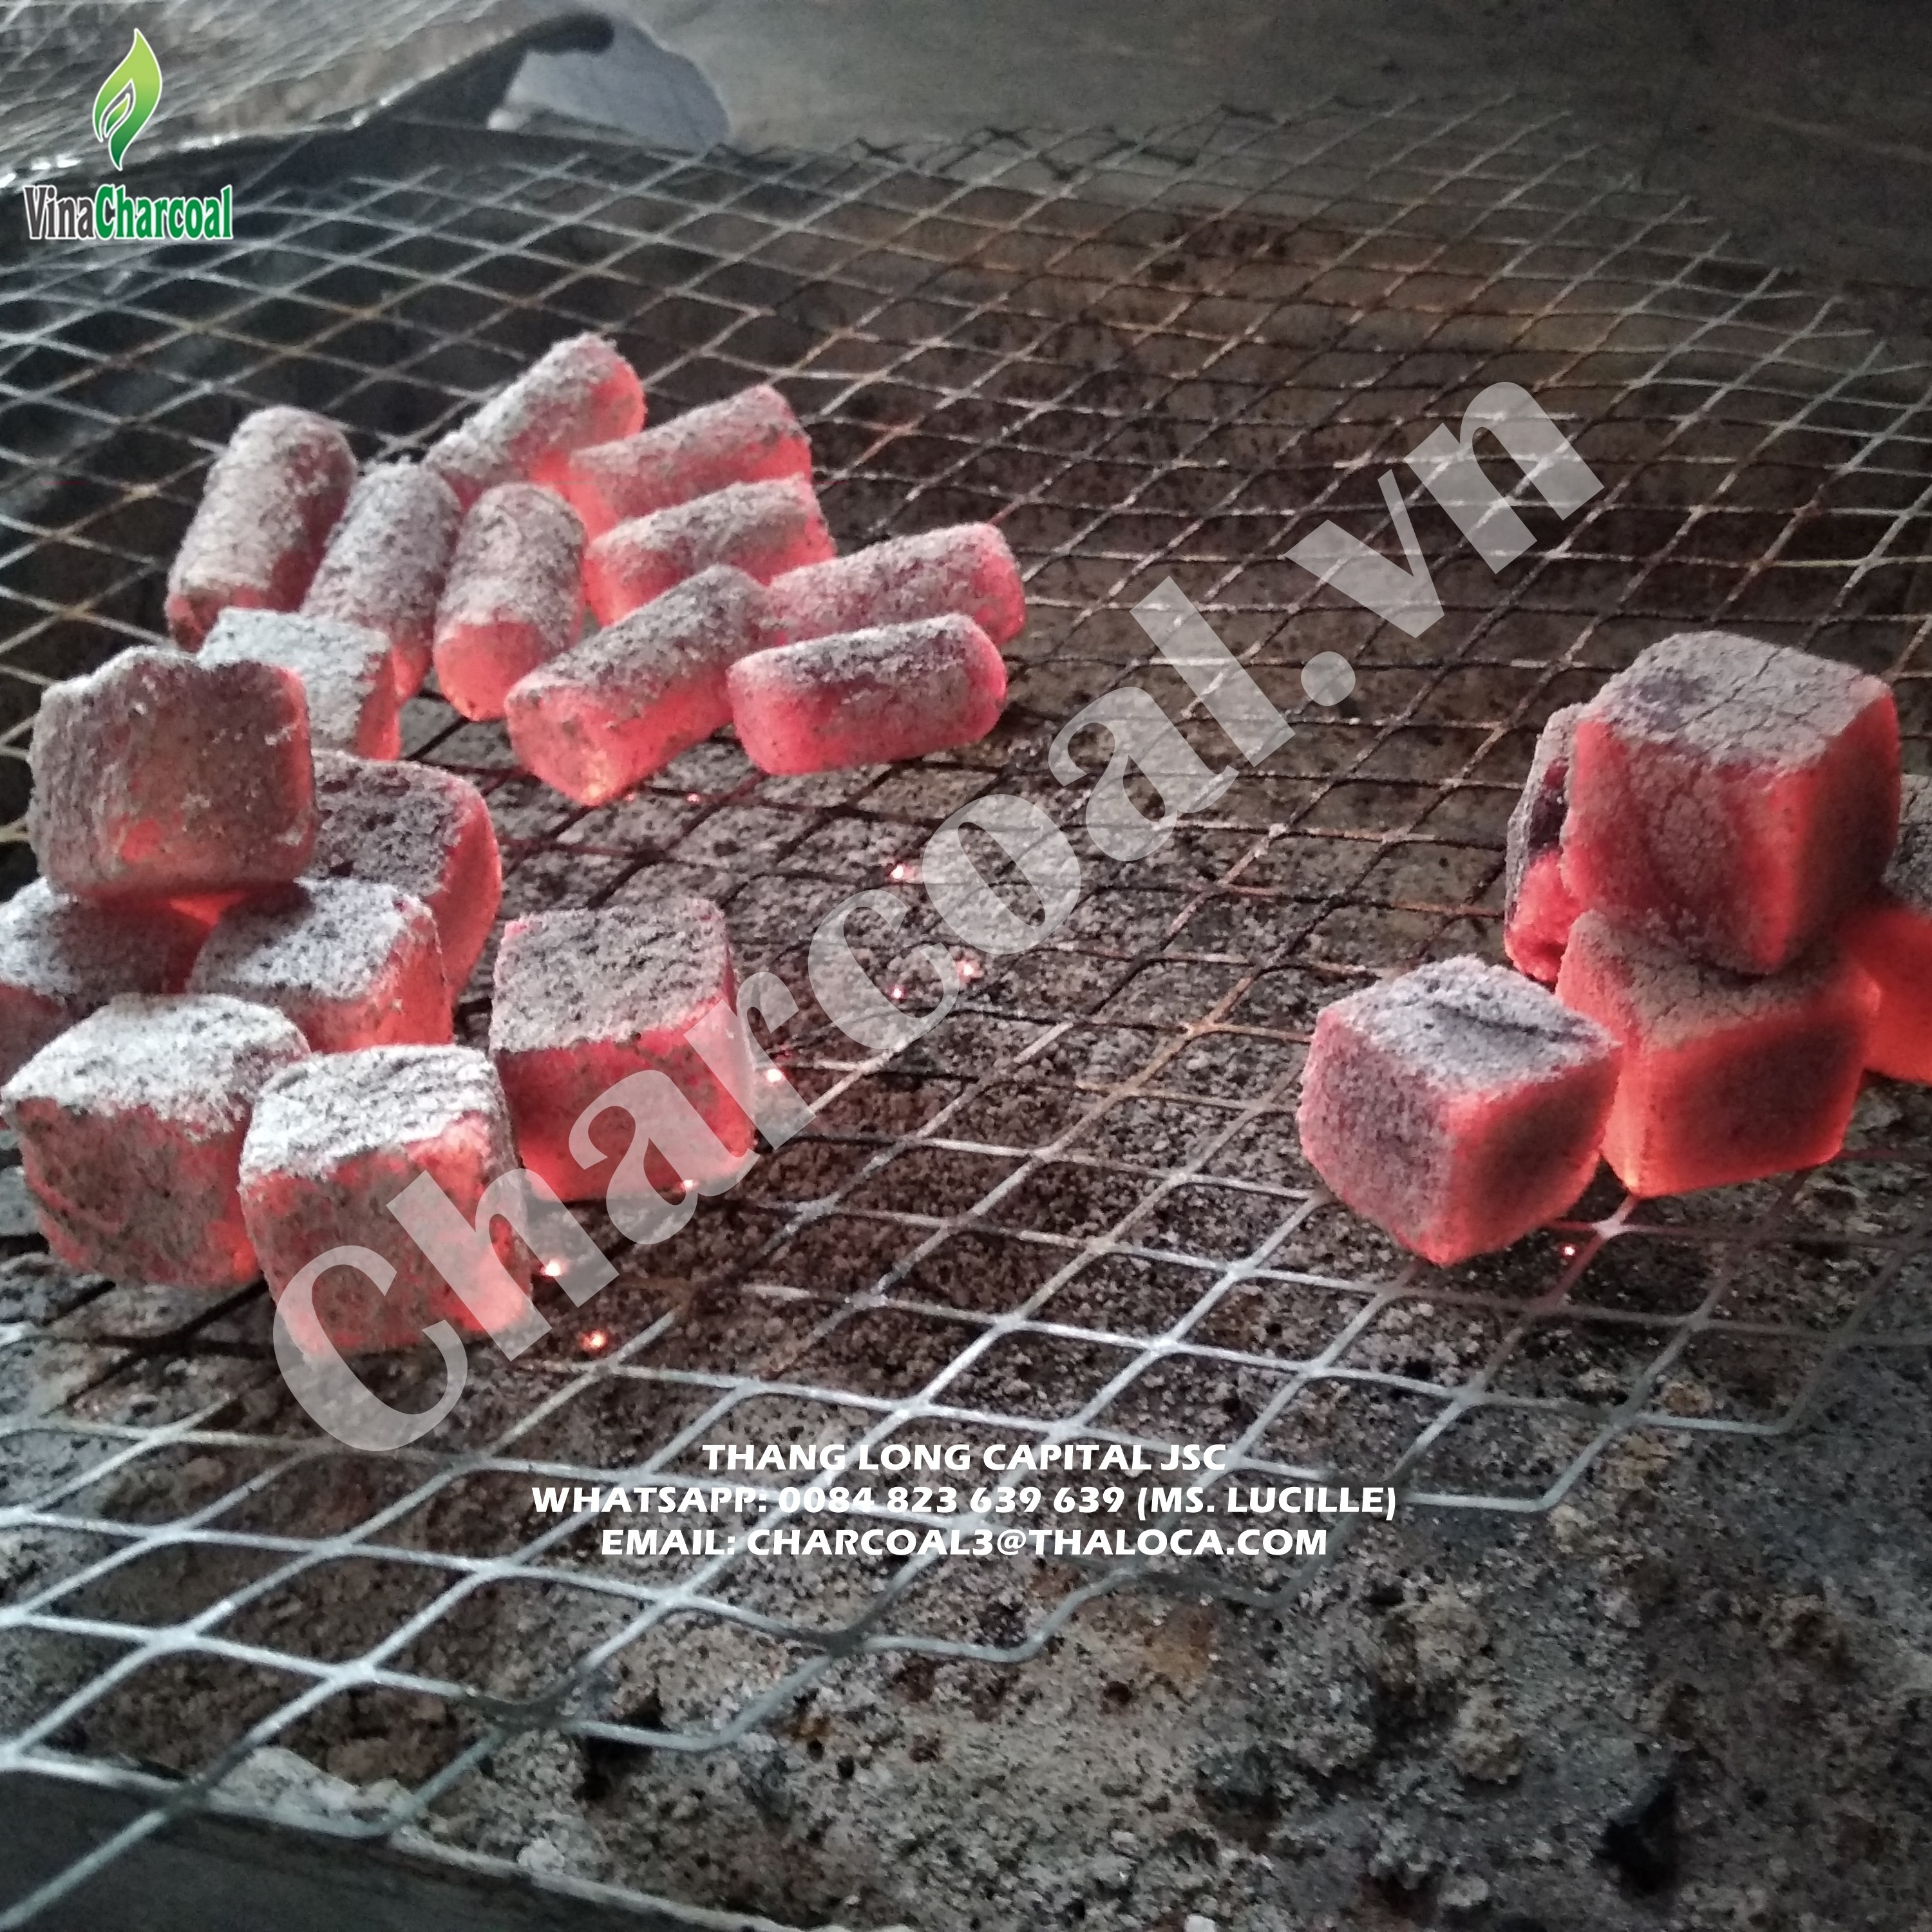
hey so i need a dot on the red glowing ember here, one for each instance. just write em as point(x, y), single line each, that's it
point(61, 958)
point(581, 391)
point(266, 510)
point(752, 437)
point(131, 1127)
point(584, 999)
point(513, 599)
point(157, 776)
point(423, 831)
point(965, 568)
point(1460, 1106)
point(621, 705)
point(762, 529)
point(347, 671)
point(385, 563)
point(1891, 938)
point(334, 1141)
point(1537, 908)
point(1726, 1078)
point(869, 697)
point(352, 963)
point(230, 829)
point(1732, 800)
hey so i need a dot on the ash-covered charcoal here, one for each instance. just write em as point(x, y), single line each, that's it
point(625, 702)
point(584, 999)
point(386, 563)
point(1537, 908)
point(514, 598)
point(1891, 937)
point(352, 963)
point(60, 958)
point(159, 777)
point(965, 568)
point(131, 1125)
point(1725, 1077)
point(762, 529)
point(346, 669)
point(580, 391)
point(1458, 1107)
point(868, 697)
point(1732, 799)
point(270, 501)
point(425, 832)
point(752, 437)
point(333, 1140)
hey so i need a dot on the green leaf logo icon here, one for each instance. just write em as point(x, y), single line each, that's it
point(128, 97)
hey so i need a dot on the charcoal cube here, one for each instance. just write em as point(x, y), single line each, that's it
point(1458, 1106)
point(347, 670)
point(1537, 909)
point(423, 830)
point(585, 999)
point(352, 963)
point(1891, 937)
point(159, 777)
point(1732, 799)
point(1727, 1077)
point(339, 1136)
point(131, 1124)
point(60, 958)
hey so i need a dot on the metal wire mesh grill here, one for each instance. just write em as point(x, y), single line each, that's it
point(1076, 1209)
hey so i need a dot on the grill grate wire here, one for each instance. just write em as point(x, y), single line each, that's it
point(1076, 1209)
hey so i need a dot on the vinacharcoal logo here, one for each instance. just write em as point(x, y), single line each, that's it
point(122, 108)
point(127, 99)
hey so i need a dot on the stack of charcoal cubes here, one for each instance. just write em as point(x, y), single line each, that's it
point(1716, 864)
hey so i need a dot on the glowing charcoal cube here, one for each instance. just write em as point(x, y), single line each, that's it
point(584, 999)
point(1459, 1106)
point(346, 669)
point(868, 697)
point(762, 529)
point(1725, 1077)
point(514, 598)
point(579, 392)
point(270, 501)
point(62, 957)
point(384, 566)
point(1891, 937)
point(965, 568)
point(131, 1125)
point(624, 703)
point(425, 832)
point(1537, 909)
point(353, 964)
point(752, 437)
point(159, 777)
point(337, 1137)
point(1732, 799)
